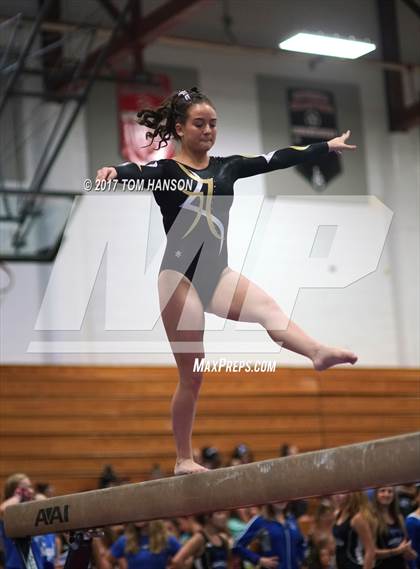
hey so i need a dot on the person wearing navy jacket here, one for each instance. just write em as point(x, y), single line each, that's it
point(280, 542)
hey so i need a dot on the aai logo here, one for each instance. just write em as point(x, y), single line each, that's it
point(47, 516)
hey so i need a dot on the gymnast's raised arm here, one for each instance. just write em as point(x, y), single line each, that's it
point(244, 167)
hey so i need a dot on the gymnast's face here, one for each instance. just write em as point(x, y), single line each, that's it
point(198, 134)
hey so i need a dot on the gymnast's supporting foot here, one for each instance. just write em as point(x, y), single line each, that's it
point(187, 466)
point(326, 357)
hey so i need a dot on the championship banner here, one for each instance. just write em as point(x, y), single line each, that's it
point(313, 119)
point(134, 146)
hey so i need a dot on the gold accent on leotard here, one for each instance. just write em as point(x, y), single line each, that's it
point(200, 196)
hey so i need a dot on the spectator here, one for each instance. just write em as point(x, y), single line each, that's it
point(45, 489)
point(280, 543)
point(188, 526)
point(239, 519)
point(406, 496)
point(297, 508)
point(393, 548)
point(101, 546)
point(17, 488)
point(108, 477)
point(322, 530)
point(63, 548)
point(413, 530)
point(321, 556)
point(209, 547)
point(241, 455)
point(354, 531)
point(144, 546)
point(48, 548)
point(288, 450)
point(47, 543)
point(172, 527)
point(210, 458)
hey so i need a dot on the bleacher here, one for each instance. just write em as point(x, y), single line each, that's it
point(62, 424)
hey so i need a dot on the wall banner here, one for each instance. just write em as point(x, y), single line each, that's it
point(312, 117)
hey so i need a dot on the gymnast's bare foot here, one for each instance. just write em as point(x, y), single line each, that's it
point(326, 357)
point(187, 466)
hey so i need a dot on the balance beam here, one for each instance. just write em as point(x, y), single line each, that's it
point(394, 460)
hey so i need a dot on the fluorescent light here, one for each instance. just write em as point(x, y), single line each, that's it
point(327, 45)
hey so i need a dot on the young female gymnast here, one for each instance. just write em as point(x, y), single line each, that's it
point(194, 276)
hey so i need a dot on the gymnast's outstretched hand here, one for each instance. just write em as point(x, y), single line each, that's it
point(338, 143)
point(106, 173)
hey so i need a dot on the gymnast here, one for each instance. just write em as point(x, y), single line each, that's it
point(194, 276)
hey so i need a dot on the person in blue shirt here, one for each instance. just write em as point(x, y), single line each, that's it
point(412, 523)
point(280, 542)
point(17, 488)
point(47, 543)
point(48, 549)
point(145, 546)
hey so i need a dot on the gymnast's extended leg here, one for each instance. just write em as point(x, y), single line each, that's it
point(238, 298)
point(183, 318)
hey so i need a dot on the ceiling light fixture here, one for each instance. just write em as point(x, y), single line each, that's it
point(327, 45)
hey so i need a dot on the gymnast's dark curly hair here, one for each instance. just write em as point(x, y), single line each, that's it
point(173, 110)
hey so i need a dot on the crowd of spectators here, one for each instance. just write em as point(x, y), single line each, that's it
point(379, 528)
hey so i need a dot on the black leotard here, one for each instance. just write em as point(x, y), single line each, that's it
point(195, 206)
point(348, 548)
point(213, 556)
